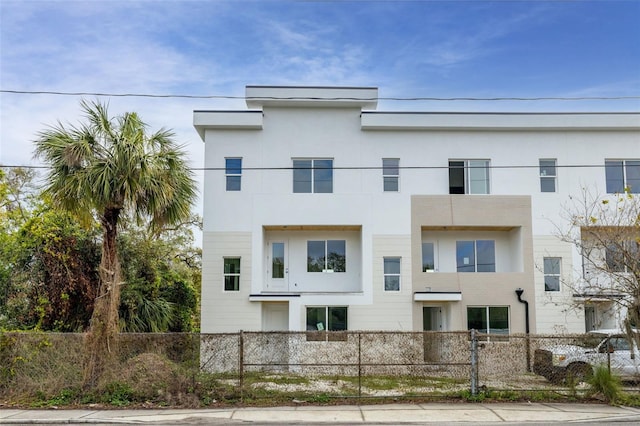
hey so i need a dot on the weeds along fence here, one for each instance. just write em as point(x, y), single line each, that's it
point(233, 366)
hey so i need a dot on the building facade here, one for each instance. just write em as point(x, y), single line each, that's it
point(321, 213)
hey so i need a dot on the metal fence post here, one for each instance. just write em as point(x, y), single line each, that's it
point(359, 365)
point(241, 363)
point(474, 363)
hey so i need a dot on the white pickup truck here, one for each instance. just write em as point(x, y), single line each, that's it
point(601, 347)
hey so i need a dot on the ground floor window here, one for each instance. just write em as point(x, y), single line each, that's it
point(488, 319)
point(321, 319)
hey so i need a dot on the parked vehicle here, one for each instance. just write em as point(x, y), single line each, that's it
point(612, 348)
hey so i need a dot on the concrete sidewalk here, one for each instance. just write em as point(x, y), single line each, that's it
point(345, 414)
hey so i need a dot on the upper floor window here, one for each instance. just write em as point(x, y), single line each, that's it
point(468, 176)
point(428, 257)
point(231, 273)
point(551, 269)
point(476, 256)
point(233, 171)
point(547, 175)
point(326, 256)
point(313, 175)
point(621, 174)
point(391, 174)
point(623, 256)
point(391, 274)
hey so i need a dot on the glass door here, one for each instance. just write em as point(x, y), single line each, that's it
point(278, 268)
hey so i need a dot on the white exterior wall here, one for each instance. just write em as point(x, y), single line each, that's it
point(269, 139)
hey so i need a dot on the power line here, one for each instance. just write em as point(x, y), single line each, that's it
point(392, 98)
point(536, 166)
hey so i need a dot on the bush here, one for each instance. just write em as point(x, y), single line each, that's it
point(605, 384)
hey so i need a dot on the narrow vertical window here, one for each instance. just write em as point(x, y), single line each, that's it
point(456, 177)
point(478, 177)
point(391, 273)
point(391, 174)
point(548, 175)
point(486, 256)
point(277, 260)
point(428, 257)
point(551, 269)
point(233, 171)
point(231, 273)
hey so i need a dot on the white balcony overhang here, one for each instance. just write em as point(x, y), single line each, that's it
point(437, 296)
point(272, 297)
point(597, 297)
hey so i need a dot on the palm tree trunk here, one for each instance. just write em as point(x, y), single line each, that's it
point(101, 339)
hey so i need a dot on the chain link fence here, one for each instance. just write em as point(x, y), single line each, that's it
point(341, 364)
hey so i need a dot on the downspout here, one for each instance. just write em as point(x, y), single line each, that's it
point(519, 292)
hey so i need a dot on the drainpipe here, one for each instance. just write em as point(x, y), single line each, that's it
point(519, 292)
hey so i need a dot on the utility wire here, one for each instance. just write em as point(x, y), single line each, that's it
point(568, 166)
point(419, 98)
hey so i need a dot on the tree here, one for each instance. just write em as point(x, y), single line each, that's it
point(606, 231)
point(162, 273)
point(103, 168)
point(17, 199)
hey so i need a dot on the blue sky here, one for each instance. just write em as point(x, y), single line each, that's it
point(475, 48)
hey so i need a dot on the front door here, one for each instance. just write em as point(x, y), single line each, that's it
point(277, 266)
point(433, 342)
point(590, 318)
point(275, 316)
point(275, 346)
point(432, 318)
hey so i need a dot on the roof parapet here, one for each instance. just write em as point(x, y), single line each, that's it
point(365, 98)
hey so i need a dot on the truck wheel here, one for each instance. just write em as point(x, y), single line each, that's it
point(579, 371)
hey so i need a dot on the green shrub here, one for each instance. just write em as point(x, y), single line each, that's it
point(606, 384)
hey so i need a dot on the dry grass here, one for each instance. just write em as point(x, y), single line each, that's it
point(45, 369)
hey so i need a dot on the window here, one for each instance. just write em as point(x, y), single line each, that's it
point(390, 174)
point(476, 256)
point(326, 256)
point(313, 176)
point(548, 175)
point(231, 274)
point(620, 257)
point(621, 174)
point(233, 171)
point(551, 269)
point(321, 319)
point(277, 260)
point(468, 176)
point(488, 319)
point(391, 274)
point(428, 257)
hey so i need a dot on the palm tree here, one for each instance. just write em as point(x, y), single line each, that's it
point(106, 168)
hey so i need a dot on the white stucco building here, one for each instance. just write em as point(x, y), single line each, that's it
point(322, 213)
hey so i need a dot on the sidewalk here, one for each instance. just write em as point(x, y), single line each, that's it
point(347, 414)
